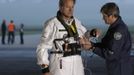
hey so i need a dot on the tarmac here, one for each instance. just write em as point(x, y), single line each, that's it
point(19, 59)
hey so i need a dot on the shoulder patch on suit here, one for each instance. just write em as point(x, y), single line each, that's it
point(117, 35)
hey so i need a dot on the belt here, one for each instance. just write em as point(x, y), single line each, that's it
point(66, 53)
point(56, 52)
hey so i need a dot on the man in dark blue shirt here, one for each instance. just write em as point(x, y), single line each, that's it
point(3, 31)
point(116, 44)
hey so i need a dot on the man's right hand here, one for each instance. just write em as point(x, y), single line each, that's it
point(45, 69)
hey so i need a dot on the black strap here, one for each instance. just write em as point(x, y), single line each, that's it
point(45, 70)
point(71, 33)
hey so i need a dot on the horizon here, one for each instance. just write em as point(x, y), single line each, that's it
point(35, 12)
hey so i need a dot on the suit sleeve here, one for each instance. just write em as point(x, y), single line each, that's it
point(113, 48)
point(46, 43)
point(81, 29)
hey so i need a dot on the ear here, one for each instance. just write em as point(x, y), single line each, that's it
point(61, 9)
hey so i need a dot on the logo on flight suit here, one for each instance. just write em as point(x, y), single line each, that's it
point(117, 35)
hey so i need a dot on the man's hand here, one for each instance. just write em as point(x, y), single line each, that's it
point(98, 32)
point(45, 69)
point(85, 43)
point(95, 32)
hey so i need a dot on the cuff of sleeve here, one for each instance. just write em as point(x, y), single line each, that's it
point(96, 50)
point(45, 70)
point(94, 44)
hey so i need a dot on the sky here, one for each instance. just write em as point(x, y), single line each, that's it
point(35, 12)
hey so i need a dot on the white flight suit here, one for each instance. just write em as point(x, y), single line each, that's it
point(71, 65)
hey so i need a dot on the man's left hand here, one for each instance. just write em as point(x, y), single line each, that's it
point(85, 43)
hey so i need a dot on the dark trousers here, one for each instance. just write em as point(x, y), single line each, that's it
point(3, 37)
point(21, 38)
point(10, 37)
point(119, 67)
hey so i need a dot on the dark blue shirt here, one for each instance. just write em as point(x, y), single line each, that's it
point(115, 48)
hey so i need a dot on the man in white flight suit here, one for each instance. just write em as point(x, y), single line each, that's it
point(64, 23)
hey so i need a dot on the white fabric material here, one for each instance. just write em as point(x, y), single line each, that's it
point(71, 65)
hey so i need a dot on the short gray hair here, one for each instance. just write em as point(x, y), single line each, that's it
point(110, 9)
point(61, 2)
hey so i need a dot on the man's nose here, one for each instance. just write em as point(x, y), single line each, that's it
point(71, 9)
